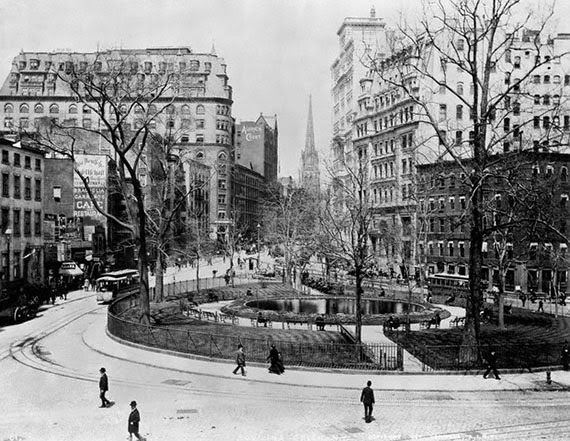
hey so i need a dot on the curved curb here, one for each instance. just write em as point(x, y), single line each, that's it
point(555, 387)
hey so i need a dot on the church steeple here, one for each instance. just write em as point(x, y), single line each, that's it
point(310, 134)
point(310, 174)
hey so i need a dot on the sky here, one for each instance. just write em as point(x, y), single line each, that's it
point(277, 51)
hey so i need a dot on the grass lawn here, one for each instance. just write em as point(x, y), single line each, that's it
point(530, 340)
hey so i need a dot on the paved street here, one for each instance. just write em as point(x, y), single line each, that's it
point(50, 372)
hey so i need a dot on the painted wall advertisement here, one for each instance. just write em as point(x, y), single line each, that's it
point(94, 168)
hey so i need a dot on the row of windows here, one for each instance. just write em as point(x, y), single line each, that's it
point(17, 160)
point(16, 192)
point(139, 109)
point(16, 224)
point(403, 116)
point(146, 66)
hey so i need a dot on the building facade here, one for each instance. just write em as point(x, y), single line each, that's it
point(22, 214)
point(197, 111)
point(408, 116)
point(256, 146)
point(532, 255)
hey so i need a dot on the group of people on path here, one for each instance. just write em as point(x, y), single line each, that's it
point(134, 415)
point(274, 358)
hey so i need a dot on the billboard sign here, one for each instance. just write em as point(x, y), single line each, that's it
point(94, 169)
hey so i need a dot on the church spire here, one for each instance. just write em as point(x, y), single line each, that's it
point(310, 175)
point(310, 136)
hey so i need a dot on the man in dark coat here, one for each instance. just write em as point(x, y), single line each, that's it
point(492, 365)
point(103, 388)
point(240, 360)
point(367, 398)
point(134, 420)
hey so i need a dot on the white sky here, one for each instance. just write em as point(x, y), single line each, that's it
point(277, 51)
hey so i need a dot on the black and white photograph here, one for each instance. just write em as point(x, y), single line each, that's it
point(275, 220)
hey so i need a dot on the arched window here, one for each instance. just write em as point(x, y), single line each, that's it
point(556, 99)
point(556, 79)
point(86, 109)
point(200, 155)
point(563, 174)
point(222, 156)
point(72, 108)
point(54, 108)
point(170, 109)
point(24, 108)
point(537, 99)
point(200, 110)
point(139, 109)
point(8, 108)
point(38, 108)
point(123, 109)
point(185, 109)
point(460, 88)
point(152, 109)
point(546, 100)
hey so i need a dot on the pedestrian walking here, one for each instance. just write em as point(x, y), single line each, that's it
point(276, 361)
point(540, 306)
point(86, 284)
point(134, 420)
point(240, 360)
point(565, 356)
point(492, 365)
point(367, 398)
point(103, 388)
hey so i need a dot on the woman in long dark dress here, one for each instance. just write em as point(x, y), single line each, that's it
point(276, 361)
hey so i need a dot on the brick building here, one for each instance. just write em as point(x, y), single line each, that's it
point(534, 256)
point(22, 214)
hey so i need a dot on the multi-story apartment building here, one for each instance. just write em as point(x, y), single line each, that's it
point(197, 112)
point(395, 135)
point(22, 170)
point(534, 256)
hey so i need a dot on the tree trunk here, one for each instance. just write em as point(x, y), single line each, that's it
point(501, 302)
point(144, 285)
point(159, 278)
point(469, 352)
point(358, 310)
point(197, 272)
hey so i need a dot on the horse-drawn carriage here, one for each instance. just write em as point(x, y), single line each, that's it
point(20, 300)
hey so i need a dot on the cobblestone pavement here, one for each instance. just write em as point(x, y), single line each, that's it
point(49, 392)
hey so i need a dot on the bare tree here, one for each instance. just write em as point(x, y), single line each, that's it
point(125, 107)
point(290, 220)
point(346, 221)
point(470, 50)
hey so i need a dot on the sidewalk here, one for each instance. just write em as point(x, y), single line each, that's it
point(97, 339)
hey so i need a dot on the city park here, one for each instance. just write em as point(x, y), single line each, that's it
point(315, 330)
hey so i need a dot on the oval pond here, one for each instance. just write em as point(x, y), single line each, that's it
point(333, 306)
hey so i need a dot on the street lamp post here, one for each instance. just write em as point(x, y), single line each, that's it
point(8, 234)
point(258, 249)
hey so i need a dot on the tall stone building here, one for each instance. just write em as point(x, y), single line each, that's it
point(392, 131)
point(197, 111)
point(310, 173)
point(360, 39)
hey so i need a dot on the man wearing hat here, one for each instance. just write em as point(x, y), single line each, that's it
point(134, 420)
point(103, 388)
